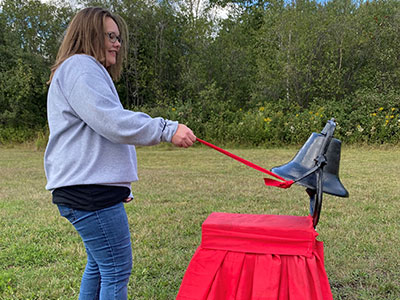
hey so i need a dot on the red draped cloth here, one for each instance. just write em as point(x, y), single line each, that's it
point(257, 257)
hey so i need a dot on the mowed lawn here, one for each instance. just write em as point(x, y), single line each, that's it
point(42, 257)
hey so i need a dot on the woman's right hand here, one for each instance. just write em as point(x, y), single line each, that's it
point(183, 137)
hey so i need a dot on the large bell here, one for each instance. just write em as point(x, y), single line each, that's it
point(305, 160)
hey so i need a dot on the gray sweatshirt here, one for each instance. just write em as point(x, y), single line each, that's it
point(92, 136)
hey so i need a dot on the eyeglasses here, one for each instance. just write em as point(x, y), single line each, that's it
point(112, 37)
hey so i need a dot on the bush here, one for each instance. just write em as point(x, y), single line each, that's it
point(279, 123)
point(10, 135)
point(367, 117)
point(268, 124)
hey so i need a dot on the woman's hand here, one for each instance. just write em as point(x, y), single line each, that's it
point(127, 200)
point(183, 137)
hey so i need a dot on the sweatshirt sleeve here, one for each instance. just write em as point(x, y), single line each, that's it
point(95, 101)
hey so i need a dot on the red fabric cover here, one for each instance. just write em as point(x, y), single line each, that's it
point(268, 234)
point(226, 266)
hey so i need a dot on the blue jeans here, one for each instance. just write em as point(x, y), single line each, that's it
point(106, 236)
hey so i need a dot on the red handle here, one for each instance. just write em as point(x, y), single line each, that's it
point(270, 182)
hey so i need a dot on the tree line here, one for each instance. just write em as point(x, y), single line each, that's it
point(266, 72)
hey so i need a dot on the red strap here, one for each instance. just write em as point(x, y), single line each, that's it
point(270, 182)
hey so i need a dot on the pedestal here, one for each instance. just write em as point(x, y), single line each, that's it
point(256, 257)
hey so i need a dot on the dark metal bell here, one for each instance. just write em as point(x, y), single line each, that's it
point(305, 160)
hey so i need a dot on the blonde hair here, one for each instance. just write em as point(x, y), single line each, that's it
point(86, 35)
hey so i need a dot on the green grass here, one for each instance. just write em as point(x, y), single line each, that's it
point(42, 257)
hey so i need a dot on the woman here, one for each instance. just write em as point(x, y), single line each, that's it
point(90, 160)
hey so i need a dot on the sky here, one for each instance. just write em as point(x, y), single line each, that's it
point(221, 12)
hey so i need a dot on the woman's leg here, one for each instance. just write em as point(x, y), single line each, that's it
point(90, 284)
point(106, 236)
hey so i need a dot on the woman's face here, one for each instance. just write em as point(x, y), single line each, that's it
point(112, 42)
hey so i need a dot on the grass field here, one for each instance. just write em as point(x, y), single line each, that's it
point(42, 257)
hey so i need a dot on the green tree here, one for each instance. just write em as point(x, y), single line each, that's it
point(29, 42)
